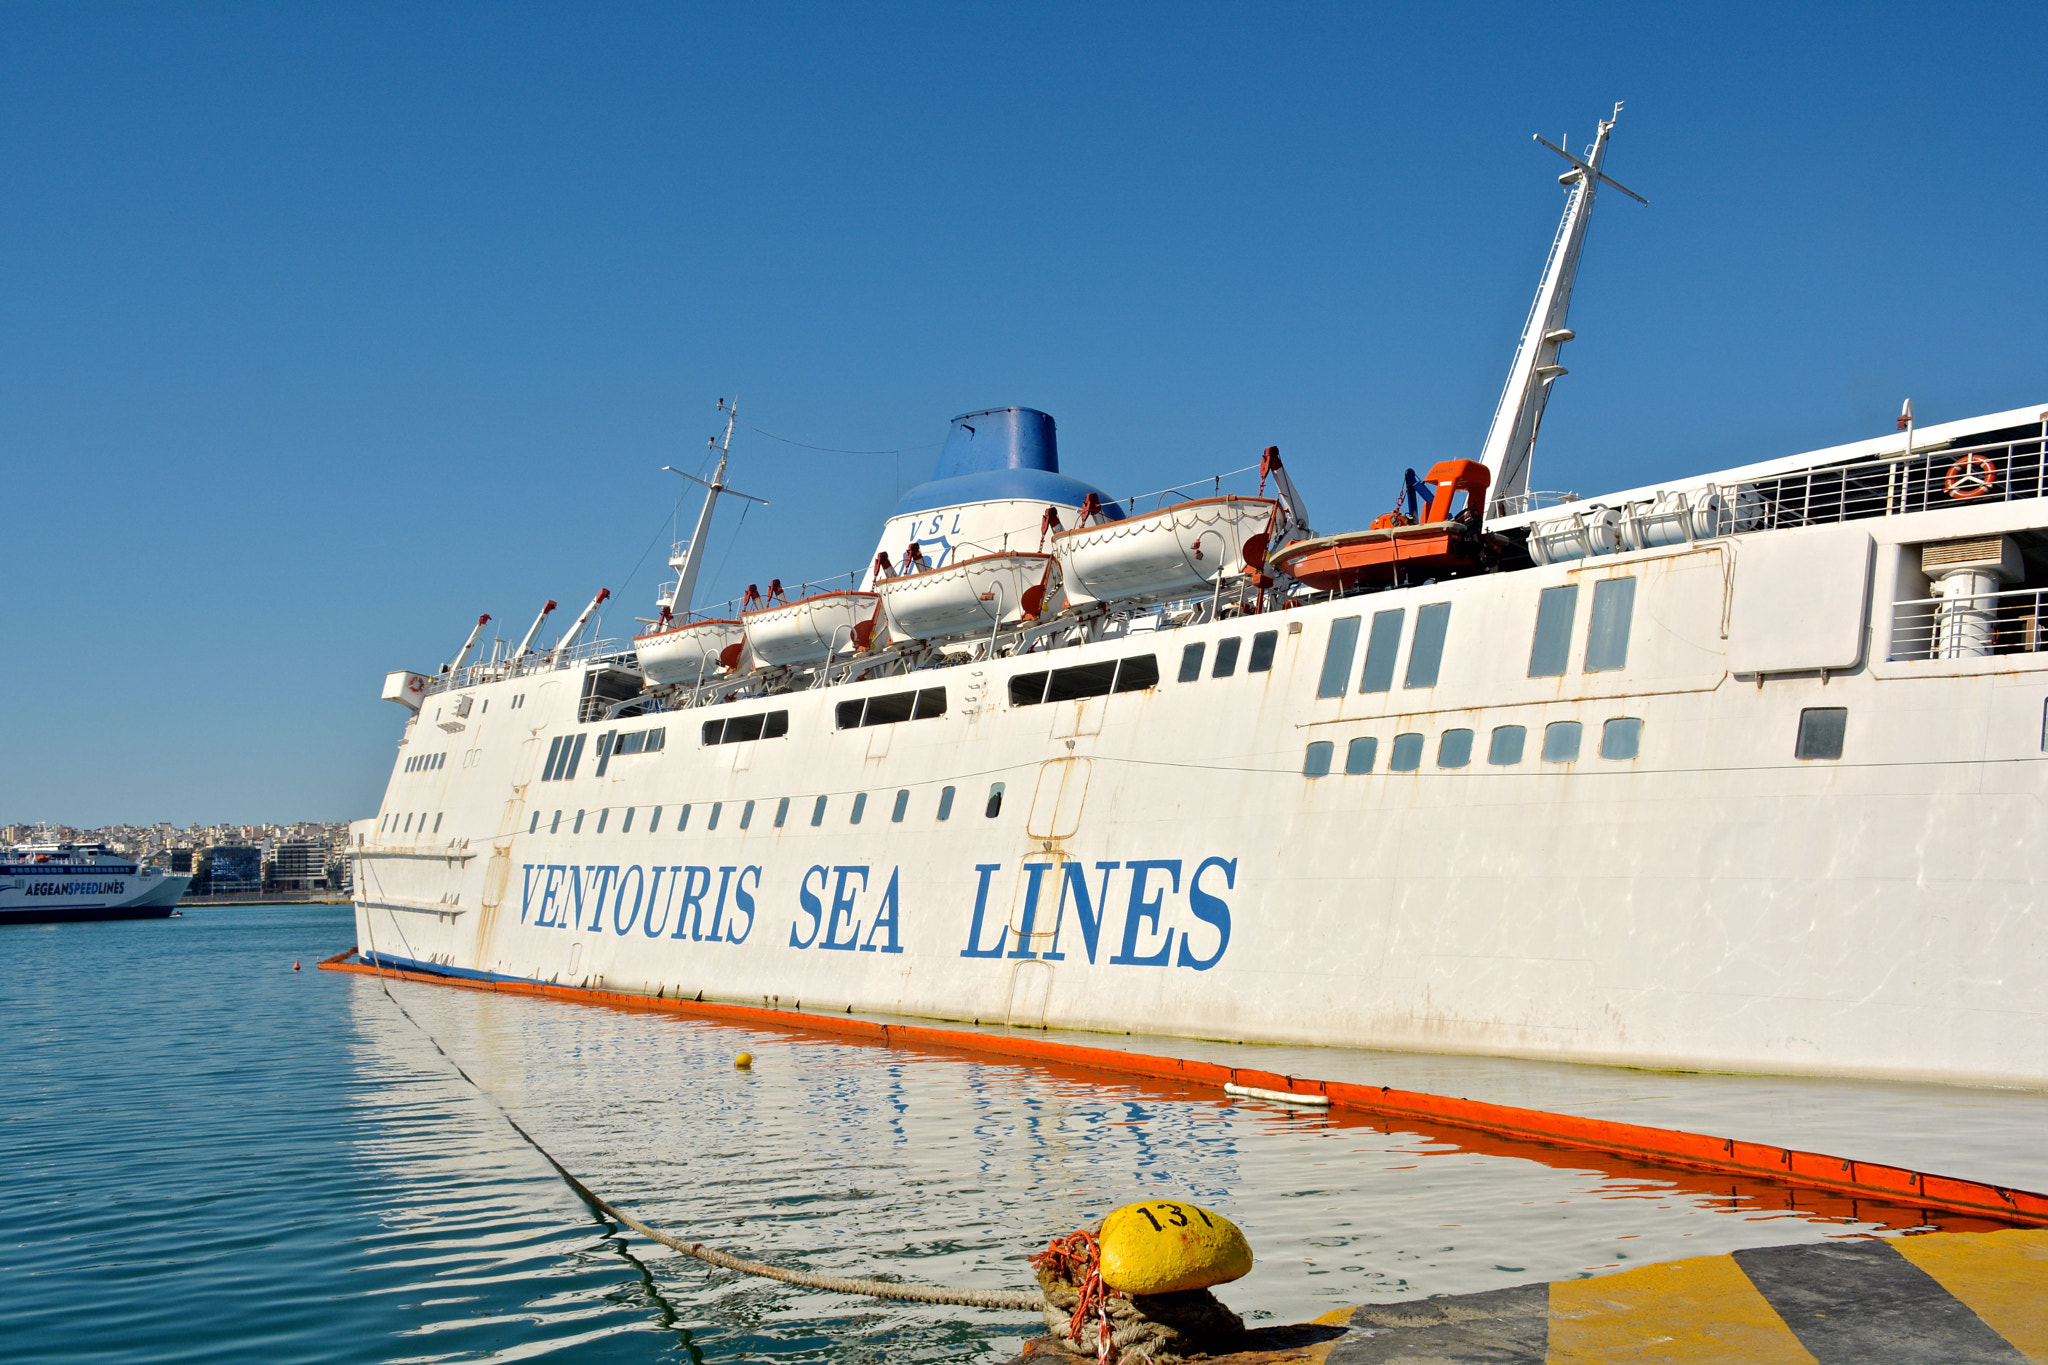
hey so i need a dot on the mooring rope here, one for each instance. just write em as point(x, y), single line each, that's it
point(839, 1284)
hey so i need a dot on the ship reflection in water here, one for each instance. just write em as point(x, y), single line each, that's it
point(944, 1169)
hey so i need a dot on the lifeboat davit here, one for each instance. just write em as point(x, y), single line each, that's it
point(1185, 548)
point(969, 596)
point(1441, 541)
point(689, 653)
point(810, 631)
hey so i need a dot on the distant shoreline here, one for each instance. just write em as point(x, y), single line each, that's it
point(266, 898)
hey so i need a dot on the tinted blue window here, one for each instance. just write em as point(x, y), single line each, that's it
point(1454, 749)
point(1551, 651)
point(1426, 654)
point(1360, 753)
point(1407, 755)
point(1506, 745)
point(1380, 648)
point(1317, 761)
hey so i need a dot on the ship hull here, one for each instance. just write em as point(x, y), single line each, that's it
point(1167, 860)
point(75, 895)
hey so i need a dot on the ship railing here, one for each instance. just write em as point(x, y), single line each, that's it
point(1532, 500)
point(1971, 625)
point(1891, 485)
point(1136, 504)
point(534, 661)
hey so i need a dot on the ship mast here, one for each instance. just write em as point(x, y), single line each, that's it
point(1512, 439)
point(689, 559)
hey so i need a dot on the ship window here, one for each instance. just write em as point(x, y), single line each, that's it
point(1380, 648)
point(555, 825)
point(408, 823)
point(1360, 753)
point(1336, 657)
point(574, 755)
point(712, 823)
point(1083, 680)
point(1505, 748)
point(547, 771)
point(1454, 749)
point(1614, 604)
point(1191, 664)
point(860, 806)
point(781, 812)
point(1407, 755)
point(1621, 738)
point(604, 751)
point(533, 824)
point(1551, 650)
point(1426, 651)
point(1561, 741)
point(747, 815)
point(818, 813)
point(1028, 689)
point(1226, 657)
point(946, 804)
point(740, 729)
point(578, 827)
point(1263, 645)
point(902, 807)
point(601, 818)
point(640, 741)
point(890, 709)
point(995, 800)
point(1316, 763)
point(1137, 673)
point(1821, 729)
point(683, 820)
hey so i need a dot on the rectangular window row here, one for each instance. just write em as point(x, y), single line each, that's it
point(1133, 674)
point(426, 763)
point(1614, 605)
point(390, 824)
point(1621, 739)
point(740, 729)
point(563, 755)
point(899, 810)
point(891, 708)
point(1264, 643)
point(1383, 649)
point(611, 744)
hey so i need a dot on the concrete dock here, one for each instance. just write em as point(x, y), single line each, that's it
point(1935, 1299)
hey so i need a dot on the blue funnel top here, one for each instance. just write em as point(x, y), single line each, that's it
point(998, 454)
point(999, 438)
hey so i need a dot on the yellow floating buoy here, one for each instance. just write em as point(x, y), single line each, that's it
point(1165, 1246)
point(745, 1061)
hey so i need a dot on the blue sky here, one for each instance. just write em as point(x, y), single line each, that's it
point(324, 329)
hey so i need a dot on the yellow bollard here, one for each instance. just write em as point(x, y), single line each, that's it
point(1164, 1245)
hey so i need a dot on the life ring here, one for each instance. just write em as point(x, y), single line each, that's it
point(417, 685)
point(1971, 477)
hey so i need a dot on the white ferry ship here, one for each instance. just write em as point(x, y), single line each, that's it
point(52, 882)
point(1742, 771)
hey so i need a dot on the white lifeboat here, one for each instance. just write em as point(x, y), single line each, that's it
point(969, 595)
point(811, 630)
point(689, 653)
point(1180, 549)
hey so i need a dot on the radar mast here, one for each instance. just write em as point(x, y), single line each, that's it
point(1511, 441)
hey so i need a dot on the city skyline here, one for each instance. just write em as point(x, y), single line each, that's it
point(330, 330)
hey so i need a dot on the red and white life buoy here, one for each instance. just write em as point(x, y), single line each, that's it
point(1971, 477)
point(417, 686)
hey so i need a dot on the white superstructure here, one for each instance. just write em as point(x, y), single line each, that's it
point(1743, 772)
point(53, 882)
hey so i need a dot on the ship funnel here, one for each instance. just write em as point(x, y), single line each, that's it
point(469, 644)
point(533, 629)
point(576, 626)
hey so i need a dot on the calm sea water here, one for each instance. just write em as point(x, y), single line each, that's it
point(207, 1156)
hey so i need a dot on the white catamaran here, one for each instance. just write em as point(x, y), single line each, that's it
point(1742, 771)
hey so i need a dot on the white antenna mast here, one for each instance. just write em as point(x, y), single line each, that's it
point(691, 559)
point(1511, 440)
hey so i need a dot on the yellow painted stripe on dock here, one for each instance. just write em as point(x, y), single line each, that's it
point(2002, 1277)
point(1675, 1313)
